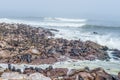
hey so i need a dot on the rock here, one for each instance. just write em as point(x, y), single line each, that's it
point(1, 70)
point(86, 76)
point(4, 54)
point(24, 43)
point(116, 53)
point(105, 48)
point(93, 45)
point(74, 52)
point(119, 75)
point(13, 76)
point(9, 66)
point(57, 72)
point(95, 33)
point(26, 57)
point(38, 76)
point(35, 51)
point(91, 57)
point(54, 30)
point(2, 43)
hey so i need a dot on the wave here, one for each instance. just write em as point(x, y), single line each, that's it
point(64, 19)
point(109, 39)
point(46, 22)
point(99, 26)
point(55, 22)
point(71, 20)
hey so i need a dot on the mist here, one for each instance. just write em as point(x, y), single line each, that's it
point(103, 9)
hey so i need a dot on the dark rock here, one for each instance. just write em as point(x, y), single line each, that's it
point(116, 53)
point(95, 33)
point(49, 68)
point(10, 49)
point(105, 48)
point(31, 68)
point(37, 69)
point(9, 66)
point(54, 30)
point(26, 57)
point(18, 70)
point(13, 69)
point(87, 68)
point(119, 75)
point(74, 52)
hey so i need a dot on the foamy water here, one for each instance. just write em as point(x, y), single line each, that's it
point(49, 22)
point(110, 67)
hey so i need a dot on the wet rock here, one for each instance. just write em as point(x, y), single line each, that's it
point(119, 75)
point(105, 48)
point(13, 69)
point(2, 70)
point(74, 52)
point(26, 57)
point(9, 66)
point(18, 70)
point(116, 53)
point(54, 30)
point(95, 33)
point(49, 68)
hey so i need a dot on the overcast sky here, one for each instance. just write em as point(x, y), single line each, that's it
point(60, 8)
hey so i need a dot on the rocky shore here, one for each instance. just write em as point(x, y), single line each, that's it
point(20, 43)
point(58, 74)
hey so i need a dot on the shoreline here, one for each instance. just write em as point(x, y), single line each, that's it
point(20, 43)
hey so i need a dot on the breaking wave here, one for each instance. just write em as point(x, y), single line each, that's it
point(56, 22)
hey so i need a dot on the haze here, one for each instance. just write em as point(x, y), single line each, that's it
point(61, 8)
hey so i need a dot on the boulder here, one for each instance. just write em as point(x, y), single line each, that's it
point(1, 70)
point(4, 54)
point(116, 53)
point(34, 51)
point(119, 75)
point(13, 76)
point(57, 72)
point(38, 76)
point(93, 45)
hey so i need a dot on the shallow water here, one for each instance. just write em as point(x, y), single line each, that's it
point(110, 67)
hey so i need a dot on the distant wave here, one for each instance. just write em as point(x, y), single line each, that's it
point(57, 22)
point(64, 19)
point(99, 26)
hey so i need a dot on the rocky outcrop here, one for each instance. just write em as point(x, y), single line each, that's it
point(17, 76)
point(116, 53)
point(21, 43)
point(59, 74)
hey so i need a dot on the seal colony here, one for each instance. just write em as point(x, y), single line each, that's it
point(20, 43)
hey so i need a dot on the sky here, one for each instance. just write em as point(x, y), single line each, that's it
point(61, 8)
